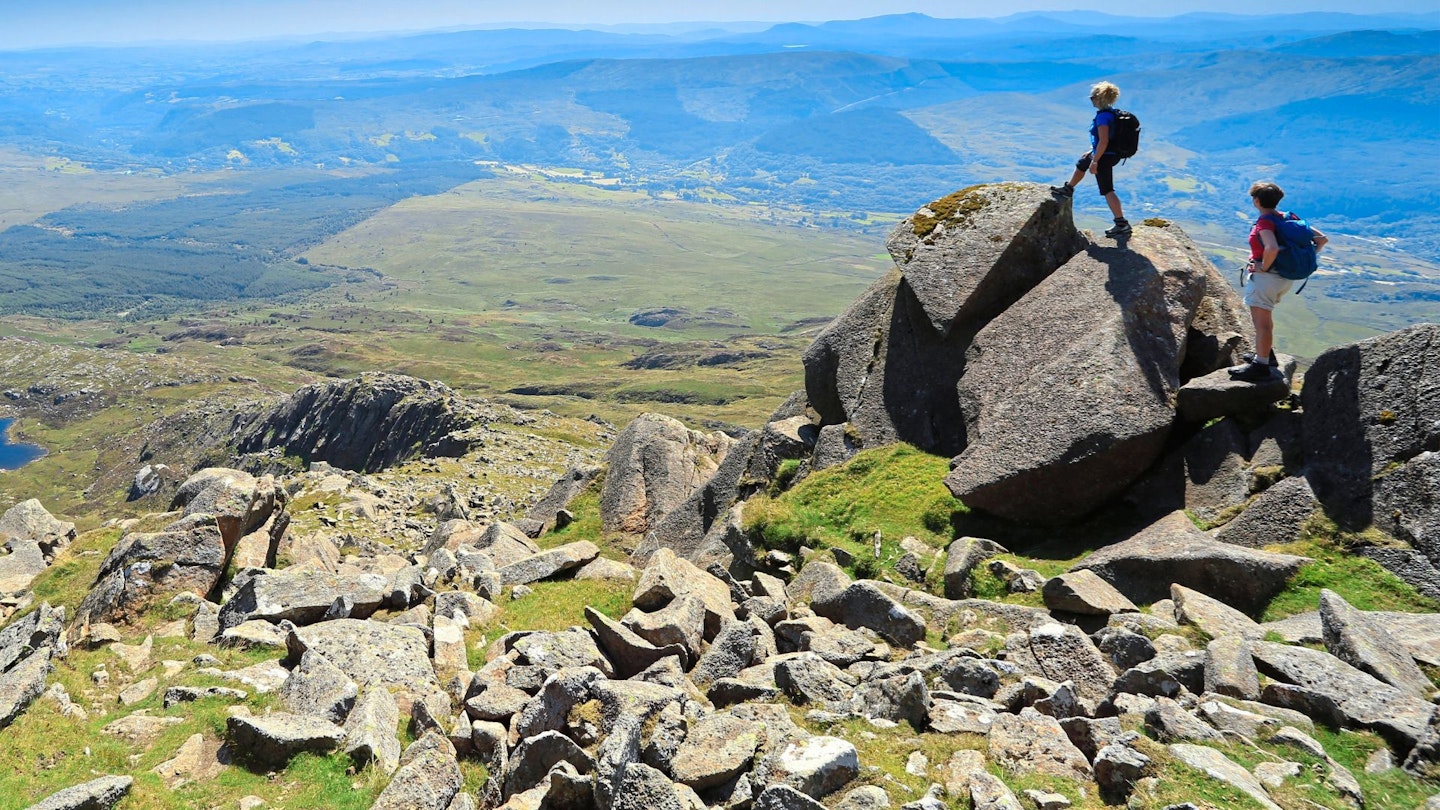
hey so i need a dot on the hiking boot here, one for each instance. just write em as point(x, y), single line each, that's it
point(1065, 190)
point(1253, 372)
point(1249, 357)
point(1121, 228)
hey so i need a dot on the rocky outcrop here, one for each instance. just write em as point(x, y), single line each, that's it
point(29, 522)
point(238, 502)
point(1067, 399)
point(363, 424)
point(655, 464)
point(889, 364)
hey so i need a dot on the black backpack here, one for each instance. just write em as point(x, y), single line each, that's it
point(1124, 134)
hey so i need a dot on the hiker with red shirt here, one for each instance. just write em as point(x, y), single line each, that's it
point(1101, 159)
point(1264, 287)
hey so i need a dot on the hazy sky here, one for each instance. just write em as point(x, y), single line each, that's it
point(38, 23)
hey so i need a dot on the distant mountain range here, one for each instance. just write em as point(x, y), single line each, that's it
point(842, 119)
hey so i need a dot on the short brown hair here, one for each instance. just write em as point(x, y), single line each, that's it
point(1267, 193)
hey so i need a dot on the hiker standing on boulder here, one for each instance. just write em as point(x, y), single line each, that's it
point(1105, 152)
point(1265, 286)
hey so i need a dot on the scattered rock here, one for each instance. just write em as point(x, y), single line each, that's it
point(1086, 593)
point(97, 794)
point(1030, 742)
point(274, 739)
point(1172, 550)
point(1352, 637)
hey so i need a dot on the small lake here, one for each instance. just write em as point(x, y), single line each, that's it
point(15, 456)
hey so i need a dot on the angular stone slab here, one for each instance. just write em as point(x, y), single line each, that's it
point(1172, 550)
point(1031, 742)
point(1218, 394)
point(275, 739)
point(1219, 767)
point(397, 657)
point(1273, 518)
point(717, 748)
point(1086, 593)
point(1216, 618)
point(22, 684)
point(303, 596)
point(550, 563)
point(1329, 689)
point(97, 794)
point(1354, 638)
point(370, 730)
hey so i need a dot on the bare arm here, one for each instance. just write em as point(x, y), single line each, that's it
point(1321, 240)
point(1272, 249)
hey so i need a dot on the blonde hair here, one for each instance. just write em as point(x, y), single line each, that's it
point(1104, 94)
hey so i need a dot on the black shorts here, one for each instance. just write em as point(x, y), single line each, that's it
point(1104, 173)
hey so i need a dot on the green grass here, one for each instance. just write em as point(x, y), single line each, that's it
point(552, 605)
point(1361, 582)
point(68, 580)
point(897, 491)
point(45, 751)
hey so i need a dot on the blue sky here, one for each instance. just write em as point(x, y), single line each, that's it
point(27, 23)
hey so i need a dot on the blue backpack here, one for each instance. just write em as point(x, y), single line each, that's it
point(1297, 259)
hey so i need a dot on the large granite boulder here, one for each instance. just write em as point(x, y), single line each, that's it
point(21, 561)
point(394, 656)
point(238, 502)
point(1172, 550)
point(29, 521)
point(1371, 427)
point(304, 596)
point(1068, 397)
point(655, 464)
point(888, 365)
point(189, 555)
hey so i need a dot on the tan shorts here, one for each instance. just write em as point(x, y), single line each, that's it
point(1263, 290)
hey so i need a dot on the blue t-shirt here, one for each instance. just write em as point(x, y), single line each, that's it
point(1103, 118)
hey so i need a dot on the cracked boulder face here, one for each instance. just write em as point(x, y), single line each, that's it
point(889, 364)
point(1372, 434)
point(1069, 396)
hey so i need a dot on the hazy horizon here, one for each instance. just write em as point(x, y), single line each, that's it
point(108, 22)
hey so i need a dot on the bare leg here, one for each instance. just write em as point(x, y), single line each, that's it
point(1264, 321)
point(1076, 178)
point(1113, 200)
